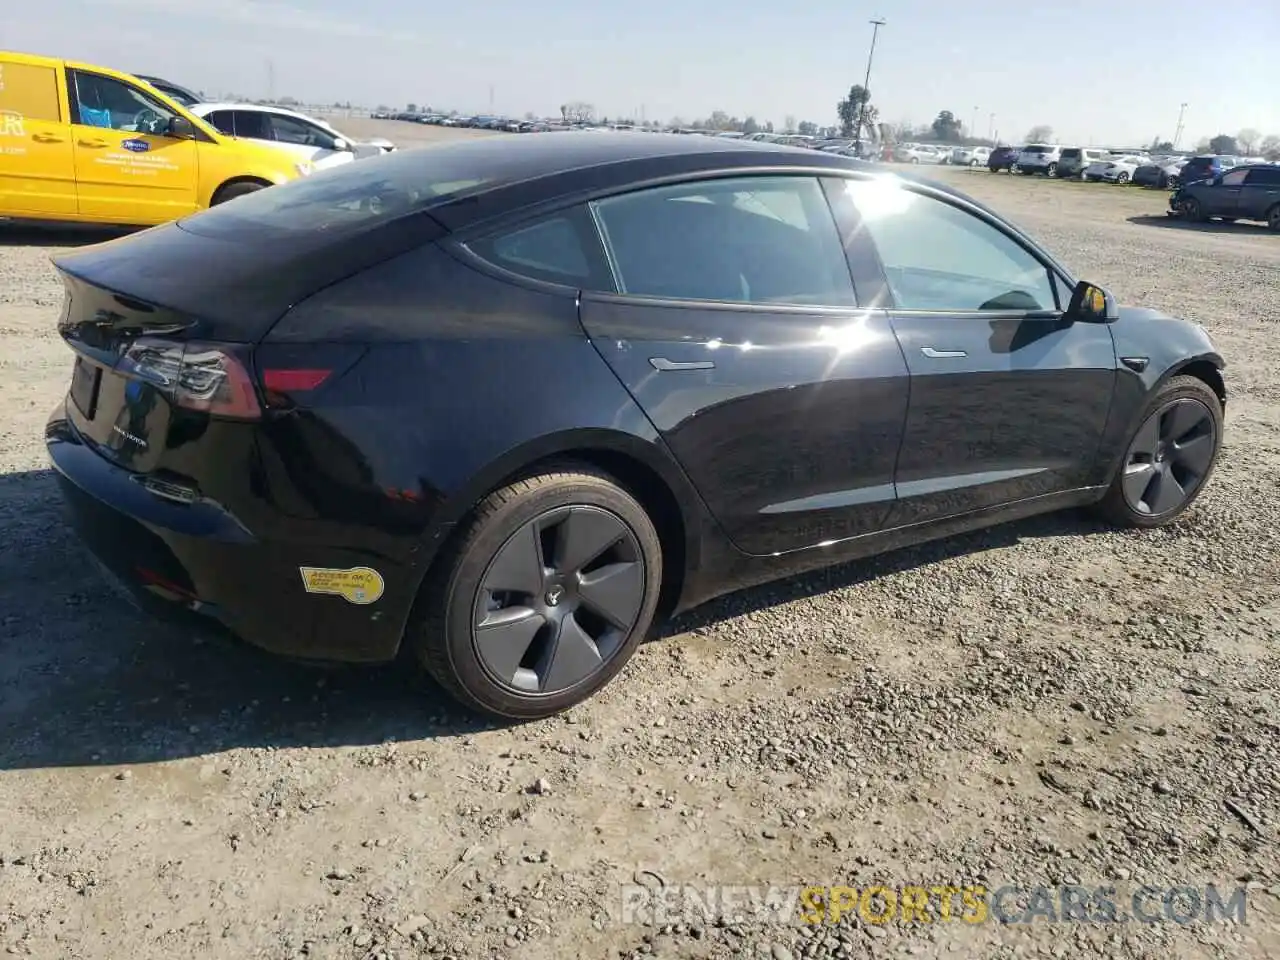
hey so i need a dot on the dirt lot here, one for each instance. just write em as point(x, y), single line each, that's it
point(1050, 703)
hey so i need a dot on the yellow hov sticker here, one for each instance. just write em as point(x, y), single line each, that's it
point(357, 585)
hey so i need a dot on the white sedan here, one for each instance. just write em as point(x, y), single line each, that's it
point(305, 137)
point(1115, 169)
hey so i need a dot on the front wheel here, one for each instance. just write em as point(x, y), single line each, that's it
point(543, 598)
point(1122, 177)
point(1273, 218)
point(1169, 458)
point(1191, 210)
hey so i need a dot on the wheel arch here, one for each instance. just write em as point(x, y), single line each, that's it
point(234, 181)
point(1206, 367)
point(640, 466)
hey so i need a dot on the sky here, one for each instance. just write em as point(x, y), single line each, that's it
point(1100, 72)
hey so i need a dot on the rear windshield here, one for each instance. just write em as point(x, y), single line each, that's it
point(1198, 162)
point(1037, 149)
point(1070, 154)
point(351, 198)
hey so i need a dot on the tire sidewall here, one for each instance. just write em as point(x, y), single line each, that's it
point(470, 566)
point(1177, 388)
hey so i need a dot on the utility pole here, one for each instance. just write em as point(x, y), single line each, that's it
point(271, 81)
point(866, 83)
point(973, 127)
point(1177, 131)
point(491, 98)
point(991, 128)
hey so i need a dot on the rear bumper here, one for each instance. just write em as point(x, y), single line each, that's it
point(197, 561)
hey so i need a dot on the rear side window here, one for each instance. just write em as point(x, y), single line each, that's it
point(1263, 177)
point(222, 121)
point(744, 240)
point(251, 125)
point(1070, 154)
point(1235, 178)
point(27, 92)
point(563, 248)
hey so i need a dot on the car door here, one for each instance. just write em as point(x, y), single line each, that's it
point(735, 325)
point(1261, 192)
point(310, 141)
point(127, 169)
point(1224, 194)
point(37, 168)
point(1008, 399)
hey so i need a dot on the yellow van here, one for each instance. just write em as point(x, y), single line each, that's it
point(93, 145)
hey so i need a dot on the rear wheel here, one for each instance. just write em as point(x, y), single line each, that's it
point(544, 597)
point(1273, 218)
point(1169, 458)
point(1122, 177)
point(1051, 170)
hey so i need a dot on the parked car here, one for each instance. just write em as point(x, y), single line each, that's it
point(299, 135)
point(1242, 193)
point(101, 146)
point(1115, 170)
point(1206, 167)
point(970, 156)
point(1164, 173)
point(1039, 158)
point(918, 153)
point(174, 92)
point(1073, 161)
point(243, 437)
point(1003, 158)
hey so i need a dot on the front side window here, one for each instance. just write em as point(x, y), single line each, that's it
point(106, 102)
point(1235, 178)
point(939, 257)
point(299, 132)
point(766, 240)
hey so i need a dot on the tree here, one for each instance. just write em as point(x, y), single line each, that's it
point(749, 126)
point(1161, 146)
point(577, 112)
point(1248, 139)
point(1041, 133)
point(808, 128)
point(1270, 147)
point(412, 107)
point(768, 126)
point(789, 124)
point(854, 106)
point(1223, 144)
point(945, 126)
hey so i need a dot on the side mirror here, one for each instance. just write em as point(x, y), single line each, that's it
point(1092, 304)
point(340, 144)
point(180, 128)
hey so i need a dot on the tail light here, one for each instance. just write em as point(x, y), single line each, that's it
point(206, 377)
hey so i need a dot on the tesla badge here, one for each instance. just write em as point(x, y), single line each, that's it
point(360, 585)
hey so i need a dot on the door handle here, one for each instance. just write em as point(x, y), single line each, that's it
point(933, 354)
point(663, 364)
point(92, 143)
point(45, 138)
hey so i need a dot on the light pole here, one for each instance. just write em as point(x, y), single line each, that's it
point(991, 129)
point(973, 126)
point(1177, 133)
point(866, 83)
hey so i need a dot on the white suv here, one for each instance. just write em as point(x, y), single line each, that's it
point(1039, 158)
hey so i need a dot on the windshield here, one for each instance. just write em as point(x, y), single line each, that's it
point(350, 198)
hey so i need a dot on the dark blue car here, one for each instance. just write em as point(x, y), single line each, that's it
point(1205, 168)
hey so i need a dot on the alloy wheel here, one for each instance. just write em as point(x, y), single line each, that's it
point(1273, 217)
point(559, 599)
point(1169, 457)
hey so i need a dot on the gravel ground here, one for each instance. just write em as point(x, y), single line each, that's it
point(1048, 703)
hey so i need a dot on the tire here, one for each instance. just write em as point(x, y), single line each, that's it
point(1014, 168)
point(1273, 218)
point(1051, 170)
point(1191, 210)
point(519, 677)
point(1182, 400)
point(1122, 177)
point(915, 159)
point(1172, 182)
point(233, 190)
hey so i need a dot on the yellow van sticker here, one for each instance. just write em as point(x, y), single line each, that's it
point(356, 585)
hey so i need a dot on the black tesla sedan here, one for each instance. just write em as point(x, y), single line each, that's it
point(508, 402)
